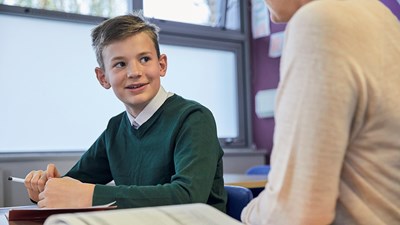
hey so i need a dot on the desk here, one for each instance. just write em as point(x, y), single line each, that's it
point(248, 181)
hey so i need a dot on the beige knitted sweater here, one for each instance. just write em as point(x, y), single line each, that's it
point(336, 154)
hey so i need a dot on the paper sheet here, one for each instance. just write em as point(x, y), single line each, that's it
point(260, 24)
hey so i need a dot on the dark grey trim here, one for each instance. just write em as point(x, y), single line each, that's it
point(40, 156)
point(48, 14)
point(206, 32)
point(247, 73)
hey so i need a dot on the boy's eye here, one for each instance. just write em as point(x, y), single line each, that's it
point(144, 59)
point(119, 64)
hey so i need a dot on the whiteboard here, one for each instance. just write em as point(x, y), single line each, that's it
point(51, 100)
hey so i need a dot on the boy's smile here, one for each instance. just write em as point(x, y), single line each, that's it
point(133, 71)
point(135, 86)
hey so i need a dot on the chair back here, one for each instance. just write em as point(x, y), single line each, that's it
point(238, 198)
point(258, 170)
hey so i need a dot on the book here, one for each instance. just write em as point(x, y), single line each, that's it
point(33, 213)
point(193, 214)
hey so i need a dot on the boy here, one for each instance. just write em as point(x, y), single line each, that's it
point(163, 150)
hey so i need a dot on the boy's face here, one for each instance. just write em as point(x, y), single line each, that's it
point(133, 71)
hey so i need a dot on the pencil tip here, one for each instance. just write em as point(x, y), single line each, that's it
point(9, 178)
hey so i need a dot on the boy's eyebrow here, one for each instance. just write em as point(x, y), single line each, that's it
point(145, 53)
point(122, 57)
point(117, 58)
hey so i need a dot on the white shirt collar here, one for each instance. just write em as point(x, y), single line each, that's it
point(150, 108)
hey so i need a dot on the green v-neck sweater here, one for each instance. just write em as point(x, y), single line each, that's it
point(173, 158)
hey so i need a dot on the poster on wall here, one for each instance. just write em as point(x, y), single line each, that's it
point(259, 19)
point(276, 44)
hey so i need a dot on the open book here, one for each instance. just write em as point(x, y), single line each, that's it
point(193, 214)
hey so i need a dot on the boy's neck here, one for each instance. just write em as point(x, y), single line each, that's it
point(150, 108)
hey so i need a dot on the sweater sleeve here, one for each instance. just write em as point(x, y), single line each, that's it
point(93, 166)
point(316, 100)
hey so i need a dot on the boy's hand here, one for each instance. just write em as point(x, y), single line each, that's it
point(36, 180)
point(52, 172)
point(66, 193)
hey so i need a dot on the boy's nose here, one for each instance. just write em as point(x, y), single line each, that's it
point(134, 71)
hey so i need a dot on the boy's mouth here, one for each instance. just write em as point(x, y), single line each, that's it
point(134, 86)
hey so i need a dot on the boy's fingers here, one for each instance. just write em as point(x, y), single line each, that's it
point(36, 180)
point(28, 179)
point(51, 171)
point(42, 181)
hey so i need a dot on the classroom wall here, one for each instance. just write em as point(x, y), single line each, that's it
point(265, 75)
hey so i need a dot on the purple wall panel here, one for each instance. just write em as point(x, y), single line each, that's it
point(265, 76)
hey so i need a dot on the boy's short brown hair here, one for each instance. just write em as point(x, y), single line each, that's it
point(119, 28)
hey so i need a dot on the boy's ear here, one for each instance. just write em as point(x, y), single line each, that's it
point(163, 64)
point(101, 77)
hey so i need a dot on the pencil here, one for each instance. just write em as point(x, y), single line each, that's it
point(16, 179)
